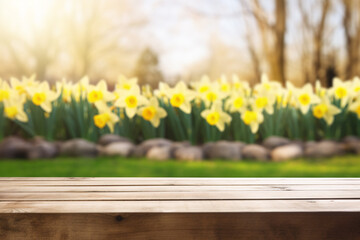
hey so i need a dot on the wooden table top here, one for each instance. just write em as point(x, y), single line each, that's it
point(178, 195)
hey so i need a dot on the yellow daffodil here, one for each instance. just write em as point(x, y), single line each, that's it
point(202, 86)
point(355, 107)
point(162, 92)
point(215, 116)
point(99, 93)
point(305, 97)
point(355, 88)
point(14, 108)
point(66, 90)
point(223, 84)
point(325, 110)
point(240, 86)
point(152, 112)
point(253, 119)
point(180, 96)
point(236, 103)
point(5, 91)
point(130, 100)
point(42, 96)
point(24, 84)
point(341, 91)
point(319, 90)
point(105, 117)
point(266, 86)
point(125, 83)
point(264, 102)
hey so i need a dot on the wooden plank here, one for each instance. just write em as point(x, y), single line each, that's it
point(220, 195)
point(124, 182)
point(279, 226)
point(191, 206)
point(177, 188)
point(176, 181)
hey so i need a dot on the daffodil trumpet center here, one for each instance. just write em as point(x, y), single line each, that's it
point(177, 99)
point(39, 98)
point(148, 113)
point(213, 118)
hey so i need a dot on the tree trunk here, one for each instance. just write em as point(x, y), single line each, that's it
point(278, 66)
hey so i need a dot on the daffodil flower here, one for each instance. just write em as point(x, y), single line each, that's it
point(325, 110)
point(125, 83)
point(341, 91)
point(305, 97)
point(25, 83)
point(66, 90)
point(162, 92)
point(99, 93)
point(238, 85)
point(236, 103)
point(203, 85)
point(264, 102)
point(266, 86)
point(355, 107)
point(355, 87)
point(215, 116)
point(14, 108)
point(130, 100)
point(223, 84)
point(5, 91)
point(252, 119)
point(105, 117)
point(180, 96)
point(152, 112)
point(42, 96)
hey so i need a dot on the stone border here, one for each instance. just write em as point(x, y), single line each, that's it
point(274, 149)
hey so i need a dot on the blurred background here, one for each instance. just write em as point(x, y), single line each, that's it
point(162, 40)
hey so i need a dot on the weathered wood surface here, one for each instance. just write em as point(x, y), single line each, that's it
point(179, 208)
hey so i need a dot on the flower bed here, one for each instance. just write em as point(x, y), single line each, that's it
point(203, 112)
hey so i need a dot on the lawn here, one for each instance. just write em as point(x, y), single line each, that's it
point(346, 166)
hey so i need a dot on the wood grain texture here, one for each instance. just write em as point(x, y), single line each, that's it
point(153, 181)
point(179, 208)
point(278, 187)
point(218, 195)
point(307, 226)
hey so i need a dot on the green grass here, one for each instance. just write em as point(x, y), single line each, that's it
point(346, 166)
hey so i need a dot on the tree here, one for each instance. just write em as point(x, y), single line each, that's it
point(351, 22)
point(272, 36)
point(313, 44)
point(147, 70)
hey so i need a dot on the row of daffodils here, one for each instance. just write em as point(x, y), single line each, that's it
point(205, 110)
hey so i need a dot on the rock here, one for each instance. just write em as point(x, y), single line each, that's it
point(223, 150)
point(123, 149)
point(43, 149)
point(79, 148)
point(177, 145)
point(324, 149)
point(112, 138)
point(142, 149)
point(161, 153)
point(256, 152)
point(275, 141)
point(348, 139)
point(191, 153)
point(286, 152)
point(14, 147)
point(352, 144)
